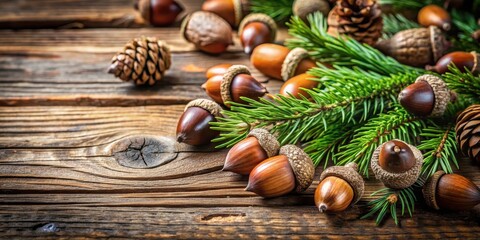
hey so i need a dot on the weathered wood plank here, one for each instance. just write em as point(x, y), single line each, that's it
point(18, 14)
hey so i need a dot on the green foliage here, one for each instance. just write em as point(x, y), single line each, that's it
point(409, 4)
point(388, 201)
point(342, 51)
point(439, 147)
point(280, 10)
point(393, 23)
point(464, 83)
point(395, 124)
point(467, 24)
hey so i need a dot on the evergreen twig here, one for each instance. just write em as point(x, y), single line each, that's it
point(393, 23)
point(279, 10)
point(409, 4)
point(467, 24)
point(464, 83)
point(439, 147)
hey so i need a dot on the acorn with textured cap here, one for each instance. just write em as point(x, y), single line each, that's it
point(339, 188)
point(159, 12)
point(237, 82)
point(255, 29)
point(207, 31)
point(248, 153)
point(277, 61)
point(233, 11)
point(397, 164)
point(143, 61)
point(427, 97)
point(193, 127)
point(291, 170)
point(415, 47)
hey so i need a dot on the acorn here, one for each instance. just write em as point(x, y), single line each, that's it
point(194, 125)
point(415, 47)
point(279, 62)
point(159, 12)
point(248, 153)
point(397, 164)
point(460, 59)
point(255, 29)
point(450, 192)
point(218, 69)
point(302, 8)
point(294, 86)
point(427, 97)
point(232, 11)
point(207, 31)
point(339, 188)
point(235, 83)
point(433, 15)
point(291, 170)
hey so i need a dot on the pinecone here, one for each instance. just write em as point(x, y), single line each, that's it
point(468, 132)
point(358, 19)
point(142, 61)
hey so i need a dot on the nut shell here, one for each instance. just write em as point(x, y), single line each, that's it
point(301, 164)
point(441, 92)
point(291, 62)
point(225, 89)
point(263, 18)
point(348, 173)
point(397, 180)
point(268, 142)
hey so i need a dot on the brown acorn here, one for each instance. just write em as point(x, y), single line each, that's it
point(397, 164)
point(235, 83)
point(462, 60)
point(291, 170)
point(450, 192)
point(255, 29)
point(427, 97)
point(415, 47)
point(294, 86)
point(248, 153)
point(193, 127)
point(232, 11)
point(433, 15)
point(339, 188)
point(218, 69)
point(159, 12)
point(302, 8)
point(279, 62)
point(209, 32)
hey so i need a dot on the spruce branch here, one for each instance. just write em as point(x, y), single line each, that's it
point(439, 147)
point(342, 51)
point(279, 10)
point(409, 4)
point(467, 24)
point(395, 124)
point(393, 23)
point(388, 201)
point(464, 83)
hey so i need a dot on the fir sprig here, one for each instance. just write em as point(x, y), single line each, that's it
point(388, 202)
point(394, 23)
point(280, 10)
point(342, 51)
point(409, 4)
point(465, 83)
point(467, 24)
point(395, 124)
point(439, 147)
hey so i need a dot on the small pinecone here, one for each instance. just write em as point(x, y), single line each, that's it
point(468, 132)
point(142, 61)
point(358, 19)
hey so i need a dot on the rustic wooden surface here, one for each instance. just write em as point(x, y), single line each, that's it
point(62, 119)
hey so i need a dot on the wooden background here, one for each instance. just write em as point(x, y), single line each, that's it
point(62, 117)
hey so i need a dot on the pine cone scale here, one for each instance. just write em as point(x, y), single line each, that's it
point(468, 132)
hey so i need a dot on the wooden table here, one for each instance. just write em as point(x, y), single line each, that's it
point(62, 118)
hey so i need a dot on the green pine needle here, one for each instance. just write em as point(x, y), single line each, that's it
point(464, 83)
point(394, 23)
point(440, 148)
point(342, 51)
point(409, 4)
point(279, 10)
point(467, 24)
point(388, 202)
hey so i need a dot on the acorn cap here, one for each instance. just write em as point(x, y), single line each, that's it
point(476, 66)
point(441, 92)
point(438, 42)
point(260, 17)
point(348, 173)
point(209, 105)
point(301, 164)
point(291, 62)
point(430, 188)
point(266, 140)
point(238, 6)
point(227, 80)
point(143, 7)
point(397, 180)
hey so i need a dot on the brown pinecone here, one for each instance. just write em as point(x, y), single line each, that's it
point(358, 19)
point(468, 132)
point(142, 61)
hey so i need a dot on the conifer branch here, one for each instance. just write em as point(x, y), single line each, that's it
point(439, 147)
point(342, 51)
point(464, 83)
point(279, 10)
point(409, 4)
point(467, 24)
point(393, 23)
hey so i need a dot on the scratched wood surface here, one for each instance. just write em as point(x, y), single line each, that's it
point(64, 121)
